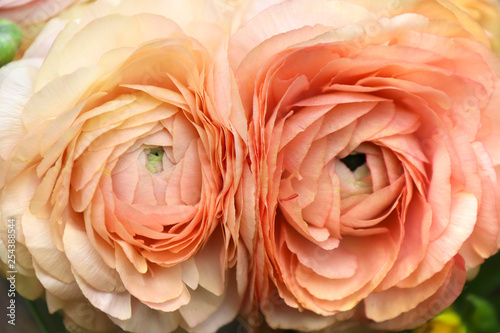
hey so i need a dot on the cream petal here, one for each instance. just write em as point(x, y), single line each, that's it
point(137, 29)
point(202, 305)
point(64, 291)
point(60, 94)
point(16, 88)
point(144, 316)
point(87, 262)
point(42, 248)
point(287, 17)
point(150, 286)
point(210, 265)
point(115, 304)
point(226, 312)
point(190, 273)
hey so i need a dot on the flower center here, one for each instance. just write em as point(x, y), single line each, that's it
point(154, 161)
point(354, 161)
point(355, 176)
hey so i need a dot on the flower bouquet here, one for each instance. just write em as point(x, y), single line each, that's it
point(252, 165)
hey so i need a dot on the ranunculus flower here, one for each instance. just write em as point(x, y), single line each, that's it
point(121, 161)
point(373, 139)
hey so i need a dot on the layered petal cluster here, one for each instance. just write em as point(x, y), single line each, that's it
point(372, 135)
point(122, 161)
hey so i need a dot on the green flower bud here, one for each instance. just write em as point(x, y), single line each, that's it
point(155, 160)
point(10, 40)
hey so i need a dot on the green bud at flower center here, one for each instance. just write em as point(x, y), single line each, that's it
point(154, 161)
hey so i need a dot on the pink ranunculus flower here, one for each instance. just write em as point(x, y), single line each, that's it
point(373, 137)
point(121, 160)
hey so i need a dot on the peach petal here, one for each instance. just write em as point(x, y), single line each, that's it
point(124, 177)
point(404, 122)
point(144, 192)
point(393, 302)
point(443, 298)
point(439, 196)
point(191, 178)
point(300, 147)
point(255, 59)
point(134, 256)
point(166, 95)
point(322, 262)
point(481, 244)
point(299, 121)
point(41, 197)
point(378, 203)
point(463, 210)
point(153, 217)
point(116, 304)
point(86, 262)
point(336, 289)
point(342, 117)
point(171, 305)
point(94, 224)
point(418, 219)
point(95, 216)
point(94, 164)
point(317, 213)
point(148, 287)
point(310, 172)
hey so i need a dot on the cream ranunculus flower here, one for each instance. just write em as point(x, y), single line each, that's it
point(122, 159)
point(373, 137)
